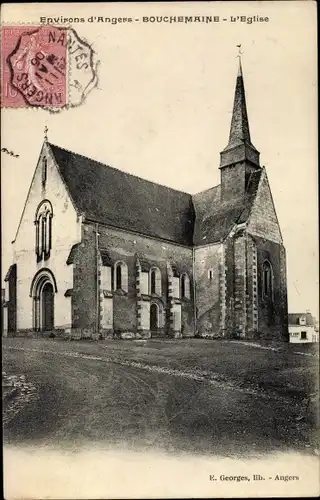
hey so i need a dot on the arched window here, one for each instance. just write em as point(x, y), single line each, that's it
point(155, 281)
point(121, 277)
point(43, 223)
point(185, 286)
point(118, 277)
point(267, 279)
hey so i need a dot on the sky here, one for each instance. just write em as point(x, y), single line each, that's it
point(163, 105)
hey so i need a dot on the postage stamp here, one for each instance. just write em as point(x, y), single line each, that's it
point(46, 67)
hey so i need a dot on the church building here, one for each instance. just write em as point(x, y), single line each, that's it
point(101, 253)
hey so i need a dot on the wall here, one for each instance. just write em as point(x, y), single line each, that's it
point(284, 292)
point(240, 277)
point(106, 299)
point(272, 314)
point(248, 314)
point(295, 334)
point(126, 247)
point(232, 181)
point(264, 228)
point(252, 289)
point(107, 314)
point(66, 231)
point(145, 315)
point(85, 283)
point(263, 220)
point(240, 268)
point(228, 285)
point(208, 291)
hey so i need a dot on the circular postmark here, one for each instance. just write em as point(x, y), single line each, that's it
point(49, 67)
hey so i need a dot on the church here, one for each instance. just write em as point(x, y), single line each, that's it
point(100, 253)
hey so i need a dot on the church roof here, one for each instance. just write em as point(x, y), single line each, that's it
point(72, 253)
point(214, 218)
point(109, 196)
point(11, 269)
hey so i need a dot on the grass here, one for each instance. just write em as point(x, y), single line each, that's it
point(89, 400)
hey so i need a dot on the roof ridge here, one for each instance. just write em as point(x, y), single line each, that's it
point(119, 170)
point(301, 313)
point(205, 190)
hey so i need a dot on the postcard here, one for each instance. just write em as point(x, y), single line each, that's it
point(160, 293)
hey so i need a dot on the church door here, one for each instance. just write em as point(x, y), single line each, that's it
point(47, 307)
point(154, 313)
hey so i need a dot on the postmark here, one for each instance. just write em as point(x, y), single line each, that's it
point(45, 67)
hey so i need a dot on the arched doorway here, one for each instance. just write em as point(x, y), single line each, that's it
point(43, 289)
point(154, 317)
point(47, 303)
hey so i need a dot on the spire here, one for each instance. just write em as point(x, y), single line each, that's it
point(240, 67)
point(239, 131)
point(239, 138)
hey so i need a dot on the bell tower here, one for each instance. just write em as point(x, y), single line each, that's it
point(239, 158)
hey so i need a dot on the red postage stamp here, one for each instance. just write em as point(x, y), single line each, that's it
point(46, 66)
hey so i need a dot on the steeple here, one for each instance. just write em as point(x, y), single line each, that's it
point(239, 147)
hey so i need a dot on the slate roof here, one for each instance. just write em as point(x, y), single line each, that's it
point(72, 253)
point(294, 319)
point(215, 219)
point(109, 196)
point(11, 269)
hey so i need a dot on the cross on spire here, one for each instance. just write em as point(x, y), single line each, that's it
point(46, 133)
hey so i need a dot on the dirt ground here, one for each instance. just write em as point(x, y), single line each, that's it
point(194, 396)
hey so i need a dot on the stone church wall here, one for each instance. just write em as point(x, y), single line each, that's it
point(84, 293)
point(208, 263)
point(272, 314)
point(263, 227)
point(240, 285)
point(248, 314)
point(284, 294)
point(66, 231)
point(125, 246)
point(251, 288)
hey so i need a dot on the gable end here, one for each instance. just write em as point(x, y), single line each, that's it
point(263, 220)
